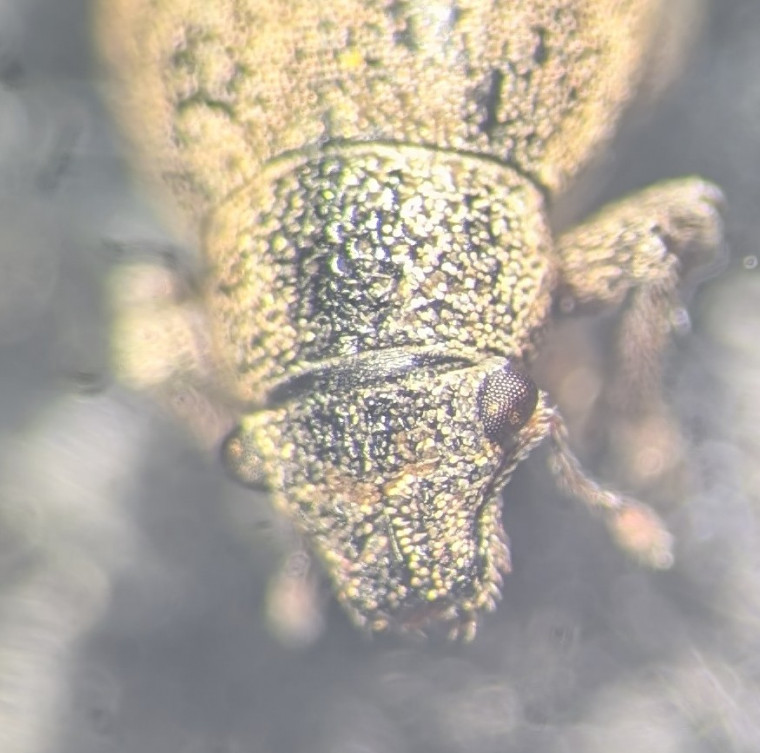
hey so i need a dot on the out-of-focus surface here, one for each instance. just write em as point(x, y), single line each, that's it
point(132, 573)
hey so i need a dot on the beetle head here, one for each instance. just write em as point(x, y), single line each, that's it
point(396, 483)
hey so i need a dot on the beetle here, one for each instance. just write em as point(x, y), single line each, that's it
point(370, 183)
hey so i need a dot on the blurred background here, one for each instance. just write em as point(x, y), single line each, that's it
point(132, 571)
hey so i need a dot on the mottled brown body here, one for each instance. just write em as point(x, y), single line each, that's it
point(369, 182)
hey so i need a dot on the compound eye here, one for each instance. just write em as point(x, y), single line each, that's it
point(506, 401)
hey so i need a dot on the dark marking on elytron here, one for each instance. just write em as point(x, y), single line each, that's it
point(492, 102)
point(541, 53)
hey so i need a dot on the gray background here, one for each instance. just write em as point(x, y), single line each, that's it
point(132, 571)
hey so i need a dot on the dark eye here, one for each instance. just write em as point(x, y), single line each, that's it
point(506, 401)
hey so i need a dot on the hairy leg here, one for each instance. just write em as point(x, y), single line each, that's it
point(639, 256)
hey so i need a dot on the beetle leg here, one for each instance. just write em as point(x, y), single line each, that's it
point(294, 610)
point(635, 255)
point(159, 345)
point(635, 526)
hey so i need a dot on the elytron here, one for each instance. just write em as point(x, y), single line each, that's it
point(370, 183)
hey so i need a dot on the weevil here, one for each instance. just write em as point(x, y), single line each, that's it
point(370, 183)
